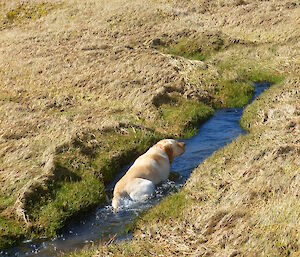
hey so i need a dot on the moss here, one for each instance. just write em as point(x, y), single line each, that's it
point(259, 74)
point(237, 92)
point(184, 116)
point(5, 201)
point(233, 94)
point(169, 208)
point(188, 49)
point(195, 48)
point(71, 198)
point(11, 232)
point(26, 12)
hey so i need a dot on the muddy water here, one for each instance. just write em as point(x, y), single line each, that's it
point(102, 224)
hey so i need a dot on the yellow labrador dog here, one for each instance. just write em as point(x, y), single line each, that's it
point(148, 170)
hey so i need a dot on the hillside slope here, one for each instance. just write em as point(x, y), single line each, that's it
point(85, 86)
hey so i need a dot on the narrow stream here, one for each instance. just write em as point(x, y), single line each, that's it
point(103, 224)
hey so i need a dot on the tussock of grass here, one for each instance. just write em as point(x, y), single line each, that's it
point(67, 199)
point(259, 74)
point(169, 208)
point(11, 231)
point(184, 116)
point(232, 81)
point(28, 11)
point(187, 49)
point(233, 94)
point(194, 47)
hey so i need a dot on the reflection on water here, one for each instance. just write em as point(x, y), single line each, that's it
point(103, 224)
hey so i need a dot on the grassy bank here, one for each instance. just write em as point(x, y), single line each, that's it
point(75, 107)
point(184, 117)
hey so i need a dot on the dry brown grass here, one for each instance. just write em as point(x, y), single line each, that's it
point(70, 67)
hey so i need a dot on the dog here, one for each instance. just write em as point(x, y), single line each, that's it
point(148, 170)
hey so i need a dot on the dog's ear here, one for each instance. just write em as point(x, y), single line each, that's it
point(169, 151)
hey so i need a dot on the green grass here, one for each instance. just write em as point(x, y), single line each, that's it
point(117, 150)
point(25, 12)
point(169, 208)
point(187, 49)
point(69, 199)
point(184, 116)
point(11, 231)
point(233, 94)
point(259, 74)
point(237, 92)
point(195, 48)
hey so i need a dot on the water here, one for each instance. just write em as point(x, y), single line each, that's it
point(103, 224)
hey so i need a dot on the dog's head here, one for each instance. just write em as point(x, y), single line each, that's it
point(172, 148)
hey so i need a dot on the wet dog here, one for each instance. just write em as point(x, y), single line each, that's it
point(147, 171)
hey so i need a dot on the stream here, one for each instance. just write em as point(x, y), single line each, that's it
point(103, 224)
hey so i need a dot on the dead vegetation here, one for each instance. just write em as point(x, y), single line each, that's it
point(71, 68)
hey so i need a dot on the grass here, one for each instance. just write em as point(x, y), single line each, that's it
point(233, 79)
point(11, 231)
point(187, 49)
point(66, 201)
point(194, 47)
point(169, 208)
point(250, 114)
point(233, 94)
point(28, 12)
point(238, 92)
point(83, 169)
point(91, 161)
point(230, 83)
point(184, 116)
point(67, 85)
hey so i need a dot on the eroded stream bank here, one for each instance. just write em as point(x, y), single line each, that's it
point(102, 224)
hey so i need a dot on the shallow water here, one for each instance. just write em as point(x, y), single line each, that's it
point(103, 224)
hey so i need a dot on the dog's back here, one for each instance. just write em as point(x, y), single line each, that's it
point(148, 170)
point(139, 182)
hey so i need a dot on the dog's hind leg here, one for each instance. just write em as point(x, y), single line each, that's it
point(141, 189)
